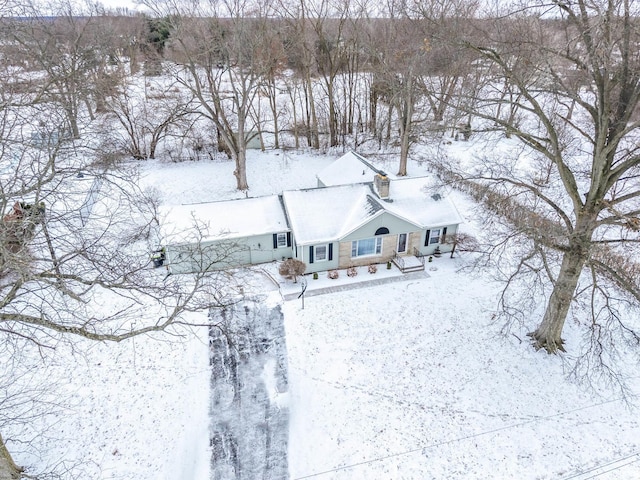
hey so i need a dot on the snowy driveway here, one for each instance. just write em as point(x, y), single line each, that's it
point(249, 412)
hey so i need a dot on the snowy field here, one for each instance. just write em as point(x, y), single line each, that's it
point(409, 380)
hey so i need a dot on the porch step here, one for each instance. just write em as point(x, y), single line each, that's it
point(418, 268)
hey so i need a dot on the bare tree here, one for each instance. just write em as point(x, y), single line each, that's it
point(75, 239)
point(60, 275)
point(300, 52)
point(271, 63)
point(75, 244)
point(332, 28)
point(446, 65)
point(218, 63)
point(293, 86)
point(147, 115)
point(70, 53)
point(573, 190)
point(397, 68)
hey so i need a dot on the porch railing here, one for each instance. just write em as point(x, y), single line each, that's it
point(398, 260)
point(419, 255)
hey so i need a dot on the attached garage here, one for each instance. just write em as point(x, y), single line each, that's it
point(219, 235)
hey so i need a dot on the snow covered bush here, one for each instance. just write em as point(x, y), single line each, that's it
point(291, 269)
point(333, 274)
point(372, 269)
point(352, 272)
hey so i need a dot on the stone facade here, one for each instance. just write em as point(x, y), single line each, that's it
point(389, 244)
point(415, 240)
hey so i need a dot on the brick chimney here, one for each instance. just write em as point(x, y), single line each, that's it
point(381, 185)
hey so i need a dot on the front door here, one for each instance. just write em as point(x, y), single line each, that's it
point(402, 243)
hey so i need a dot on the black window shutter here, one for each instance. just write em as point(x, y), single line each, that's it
point(275, 240)
point(330, 251)
point(311, 254)
point(288, 239)
point(426, 238)
point(444, 235)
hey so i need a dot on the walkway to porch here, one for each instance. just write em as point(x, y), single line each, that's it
point(314, 287)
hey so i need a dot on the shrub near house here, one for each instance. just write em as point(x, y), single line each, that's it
point(291, 269)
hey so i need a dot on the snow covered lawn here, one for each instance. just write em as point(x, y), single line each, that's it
point(133, 410)
point(412, 380)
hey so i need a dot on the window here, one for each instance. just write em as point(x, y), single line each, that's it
point(281, 240)
point(320, 253)
point(434, 237)
point(382, 231)
point(368, 246)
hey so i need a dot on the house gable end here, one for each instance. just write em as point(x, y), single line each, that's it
point(368, 228)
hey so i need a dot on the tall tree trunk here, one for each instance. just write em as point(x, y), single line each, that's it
point(273, 103)
point(8, 468)
point(240, 153)
point(241, 170)
point(87, 103)
point(405, 114)
point(548, 334)
point(373, 110)
point(313, 124)
point(404, 154)
point(349, 90)
point(294, 114)
point(389, 120)
point(73, 122)
point(307, 112)
point(153, 144)
point(333, 116)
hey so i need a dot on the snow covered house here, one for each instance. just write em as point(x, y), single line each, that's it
point(226, 234)
point(335, 225)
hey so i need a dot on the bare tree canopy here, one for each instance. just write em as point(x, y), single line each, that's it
point(76, 233)
point(565, 82)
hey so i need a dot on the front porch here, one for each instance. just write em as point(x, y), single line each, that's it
point(409, 263)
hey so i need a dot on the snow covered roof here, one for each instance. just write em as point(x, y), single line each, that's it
point(326, 214)
point(224, 220)
point(315, 215)
point(348, 169)
point(412, 200)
